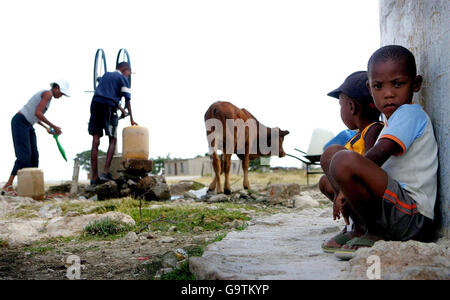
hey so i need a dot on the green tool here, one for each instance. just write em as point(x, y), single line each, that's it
point(61, 149)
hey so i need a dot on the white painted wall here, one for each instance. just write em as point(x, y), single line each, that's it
point(423, 26)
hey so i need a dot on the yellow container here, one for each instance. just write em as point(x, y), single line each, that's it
point(30, 183)
point(135, 143)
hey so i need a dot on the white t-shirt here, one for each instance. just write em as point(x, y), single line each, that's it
point(415, 168)
point(30, 108)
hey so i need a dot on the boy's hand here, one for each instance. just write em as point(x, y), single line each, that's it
point(342, 206)
point(336, 212)
point(133, 123)
point(56, 130)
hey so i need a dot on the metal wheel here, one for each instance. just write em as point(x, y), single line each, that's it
point(99, 66)
point(123, 56)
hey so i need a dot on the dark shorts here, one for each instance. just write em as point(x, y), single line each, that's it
point(103, 118)
point(400, 218)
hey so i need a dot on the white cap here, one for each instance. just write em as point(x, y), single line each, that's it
point(63, 87)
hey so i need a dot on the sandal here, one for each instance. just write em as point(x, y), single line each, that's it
point(360, 242)
point(340, 239)
point(9, 191)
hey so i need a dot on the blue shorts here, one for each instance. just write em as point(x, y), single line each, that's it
point(103, 118)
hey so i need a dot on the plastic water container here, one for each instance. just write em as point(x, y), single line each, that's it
point(30, 183)
point(135, 143)
point(318, 139)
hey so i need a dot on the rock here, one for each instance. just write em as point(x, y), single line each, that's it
point(218, 198)
point(172, 229)
point(46, 211)
point(330, 229)
point(125, 192)
point(167, 240)
point(60, 189)
point(146, 235)
point(410, 260)
point(131, 183)
point(108, 190)
point(280, 193)
point(184, 186)
point(131, 237)
point(72, 214)
point(69, 226)
point(237, 223)
point(19, 231)
point(304, 201)
point(138, 166)
point(163, 272)
point(190, 195)
point(243, 194)
point(198, 229)
point(169, 260)
point(153, 188)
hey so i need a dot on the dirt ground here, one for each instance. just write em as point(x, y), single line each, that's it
point(119, 257)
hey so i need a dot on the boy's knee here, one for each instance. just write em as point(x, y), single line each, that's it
point(342, 165)
point(328, 154)
point(323, 183)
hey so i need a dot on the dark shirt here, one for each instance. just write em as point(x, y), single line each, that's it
point(111, 88)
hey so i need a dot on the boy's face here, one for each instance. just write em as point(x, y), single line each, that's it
point(391, 85)
point(56, 92)
point(347, 109)
point(126, 72)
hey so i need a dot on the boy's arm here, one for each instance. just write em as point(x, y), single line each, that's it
point(372, 135)
point(382, 150)
point(128, 106)
point(40, 115)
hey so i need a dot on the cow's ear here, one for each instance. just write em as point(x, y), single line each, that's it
point(284, 132)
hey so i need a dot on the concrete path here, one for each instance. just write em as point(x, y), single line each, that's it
point(281, 246)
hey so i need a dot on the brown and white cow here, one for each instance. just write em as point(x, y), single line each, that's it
point(248, 142)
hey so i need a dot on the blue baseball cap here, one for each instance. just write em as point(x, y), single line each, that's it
point(355, 87)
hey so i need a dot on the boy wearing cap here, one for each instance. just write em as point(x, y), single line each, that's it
point(24, 136)
point(393, 187)
point(357, 112)
point(110, 90)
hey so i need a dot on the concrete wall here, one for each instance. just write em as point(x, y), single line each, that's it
point(423, 27)
point(200, 166)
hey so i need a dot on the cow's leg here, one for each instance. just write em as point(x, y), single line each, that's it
point(245, 165)
point(217, 168)
point(227, 166)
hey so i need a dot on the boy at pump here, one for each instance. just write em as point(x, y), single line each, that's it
point(111, 88)
point(357, 112)
point(392, 188)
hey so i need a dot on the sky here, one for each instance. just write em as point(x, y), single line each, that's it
point(278, 59)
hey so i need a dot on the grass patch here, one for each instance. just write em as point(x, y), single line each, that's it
point(197, 186)
point(185, 219)
point(106, 228)
point(38, 250)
